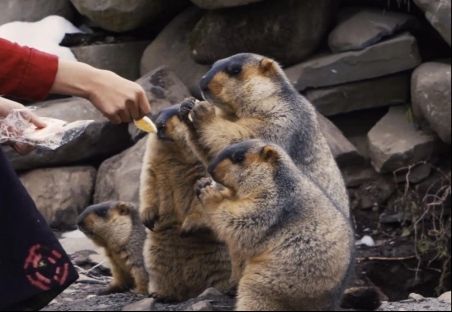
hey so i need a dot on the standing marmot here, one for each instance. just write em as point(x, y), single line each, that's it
point(297, 245)
point(116, 227)
point(180, 267)
point(256, 91)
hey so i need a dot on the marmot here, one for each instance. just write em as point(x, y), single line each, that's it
point(180, 267)
point(116, 226)
point(297, 244)
point(266, 106)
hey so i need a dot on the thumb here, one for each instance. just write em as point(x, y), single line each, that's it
point(35, 120)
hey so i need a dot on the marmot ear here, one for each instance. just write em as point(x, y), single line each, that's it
point(267, 65)
point(123, 209)
point(269, 153)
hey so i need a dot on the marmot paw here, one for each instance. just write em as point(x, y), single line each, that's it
point(202, 112)
point(186, 108)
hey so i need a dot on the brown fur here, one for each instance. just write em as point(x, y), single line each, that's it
point(180, 267)
point(116, 227)
point(296, 245)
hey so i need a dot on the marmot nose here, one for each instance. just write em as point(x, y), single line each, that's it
point(204, 84)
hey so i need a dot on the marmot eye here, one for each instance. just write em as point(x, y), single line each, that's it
point(234, 69)
point(238, 158)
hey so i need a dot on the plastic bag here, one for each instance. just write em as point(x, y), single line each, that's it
point(17, 128)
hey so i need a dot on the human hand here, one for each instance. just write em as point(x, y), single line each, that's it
point(6, 108)
point(119, 99)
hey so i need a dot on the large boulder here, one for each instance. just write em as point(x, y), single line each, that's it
point(121, 16)
point(121, 58)
point(388, 57)
point(34, 10)
point(61, 194)
point(219, 4)
point(396, 144)
point(438, 12)
point(373, 93)
point(368, 26)
point(171, 49)
point(119, 177)
point(287, 30)
point(431, 94)
point(99, 141)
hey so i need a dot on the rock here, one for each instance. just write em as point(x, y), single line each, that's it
point(143, 305)
point(431, 94)
point(163, 89)
point(379, 92)
point(119, 177)
point(356, 176)
point(385, 58)
point(101, 139)
point(76, 242)
point(446, 297)
point(438, 12)
point(61, 193)
point(201, 306)
point(121, 58)
point(396, 218)
point(122, 16)
point(211, 292)
point(367, 241)
point(416, 297)
point(34, 10)
point(395, 143)
point(287, 30)
point(219, 4)
point(171, 49)
point(368, 26)
point(344, 152)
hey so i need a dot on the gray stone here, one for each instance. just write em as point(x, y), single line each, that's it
point(121, 16)
point(386, 58)
point(211, 292)
point(219, 4)
point(101, 139)
point(34, 10)
point(356, 176)
point(446, 297)
point(171, 49)
point(431, 94)
point(286, 30)
point(76, 242)
point(438, 12)
point(414, 174)
point(202, 306)
point(61, 194)
point(344, 152)
point(395, 143)
point(379, 92)
point(143, 305)
point(121, 58)
point(367, 27)
point(118, 178)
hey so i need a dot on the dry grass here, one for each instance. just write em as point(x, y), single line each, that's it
point(430, 223)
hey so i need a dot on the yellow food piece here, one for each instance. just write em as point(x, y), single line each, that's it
point(146, 125)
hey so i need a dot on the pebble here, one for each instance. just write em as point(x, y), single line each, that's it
point(202, 306)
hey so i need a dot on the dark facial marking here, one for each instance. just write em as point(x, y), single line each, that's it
point(235, 153)
point(163, 118)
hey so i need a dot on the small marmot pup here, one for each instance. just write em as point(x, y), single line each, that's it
point(259, 102)
point(298, 245)
point(180, 267)
point(116, 226)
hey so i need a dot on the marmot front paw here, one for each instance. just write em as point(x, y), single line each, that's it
point(186, 108)
point(149, 218)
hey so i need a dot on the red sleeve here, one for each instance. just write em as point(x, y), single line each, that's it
point(25, 72)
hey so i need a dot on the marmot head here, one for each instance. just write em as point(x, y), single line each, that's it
point(242, 82)
point(169, 125)
point(246, 167)
point(108, 223)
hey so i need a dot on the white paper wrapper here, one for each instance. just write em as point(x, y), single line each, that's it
point(18, 129)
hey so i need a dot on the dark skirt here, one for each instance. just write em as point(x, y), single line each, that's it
point(34, 268)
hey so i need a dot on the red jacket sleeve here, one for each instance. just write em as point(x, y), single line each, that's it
point(25, 72)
